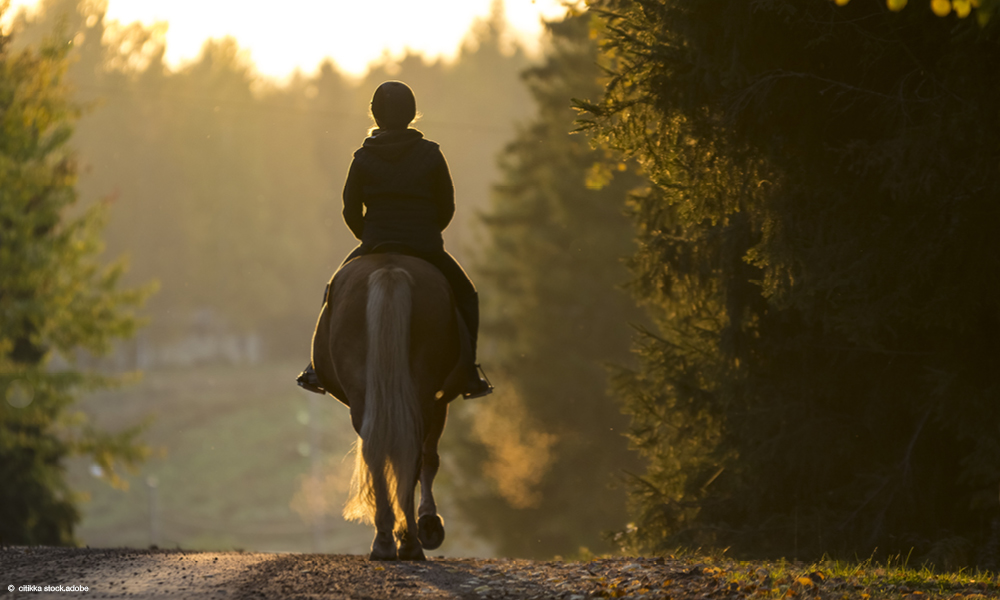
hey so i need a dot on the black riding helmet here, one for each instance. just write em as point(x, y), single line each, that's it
point(393, 105)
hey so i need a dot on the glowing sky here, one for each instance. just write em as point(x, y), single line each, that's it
point(281, 35)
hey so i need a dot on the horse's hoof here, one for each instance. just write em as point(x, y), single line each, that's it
point(383, 548)
point(376, 555)
point(430, 531)
point(409, 546)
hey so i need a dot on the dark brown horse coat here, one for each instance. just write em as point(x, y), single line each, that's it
point(437, 334)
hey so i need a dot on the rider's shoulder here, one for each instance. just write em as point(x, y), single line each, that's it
point(429, 146)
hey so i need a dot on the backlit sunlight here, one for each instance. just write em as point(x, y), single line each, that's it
point(302, 33)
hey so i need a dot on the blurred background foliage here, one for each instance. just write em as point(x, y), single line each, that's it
point(226, 187)
point(225, 190)
point(555, 318)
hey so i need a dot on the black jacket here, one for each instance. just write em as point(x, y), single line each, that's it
point(399, 189)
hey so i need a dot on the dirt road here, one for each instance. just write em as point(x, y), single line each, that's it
point(147, 574)
point(124, 573)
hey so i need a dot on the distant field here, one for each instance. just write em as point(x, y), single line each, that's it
point(232, 448)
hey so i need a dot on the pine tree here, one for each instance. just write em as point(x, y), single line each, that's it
point(547, 450)
point(818, 252)
point(55, 297)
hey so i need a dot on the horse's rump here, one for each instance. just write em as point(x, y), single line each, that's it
point(340, 343)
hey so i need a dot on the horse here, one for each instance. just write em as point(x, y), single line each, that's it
point(391, 345)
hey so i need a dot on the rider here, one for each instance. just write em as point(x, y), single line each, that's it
point(399, 190)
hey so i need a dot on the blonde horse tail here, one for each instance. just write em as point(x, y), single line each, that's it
point(388, 450)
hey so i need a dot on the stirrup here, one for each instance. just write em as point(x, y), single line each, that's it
point(308, 380)
point(480, 387)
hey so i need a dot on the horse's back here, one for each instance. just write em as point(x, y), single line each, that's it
point(341, 342)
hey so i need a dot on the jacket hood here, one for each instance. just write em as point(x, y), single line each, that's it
point(392, 144)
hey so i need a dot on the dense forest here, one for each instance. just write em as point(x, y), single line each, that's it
point(817, 248)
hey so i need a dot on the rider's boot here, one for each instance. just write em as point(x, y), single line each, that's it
point(308, 380)
point(477, 385)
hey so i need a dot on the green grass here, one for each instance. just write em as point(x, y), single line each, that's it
point(712, 574)
point(842, 580)
point(864, 580)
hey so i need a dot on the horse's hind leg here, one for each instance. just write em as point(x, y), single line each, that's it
point(409, 544)
point(431, 526)
point(384, 544)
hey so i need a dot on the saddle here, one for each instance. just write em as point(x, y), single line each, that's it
point(382, 248)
